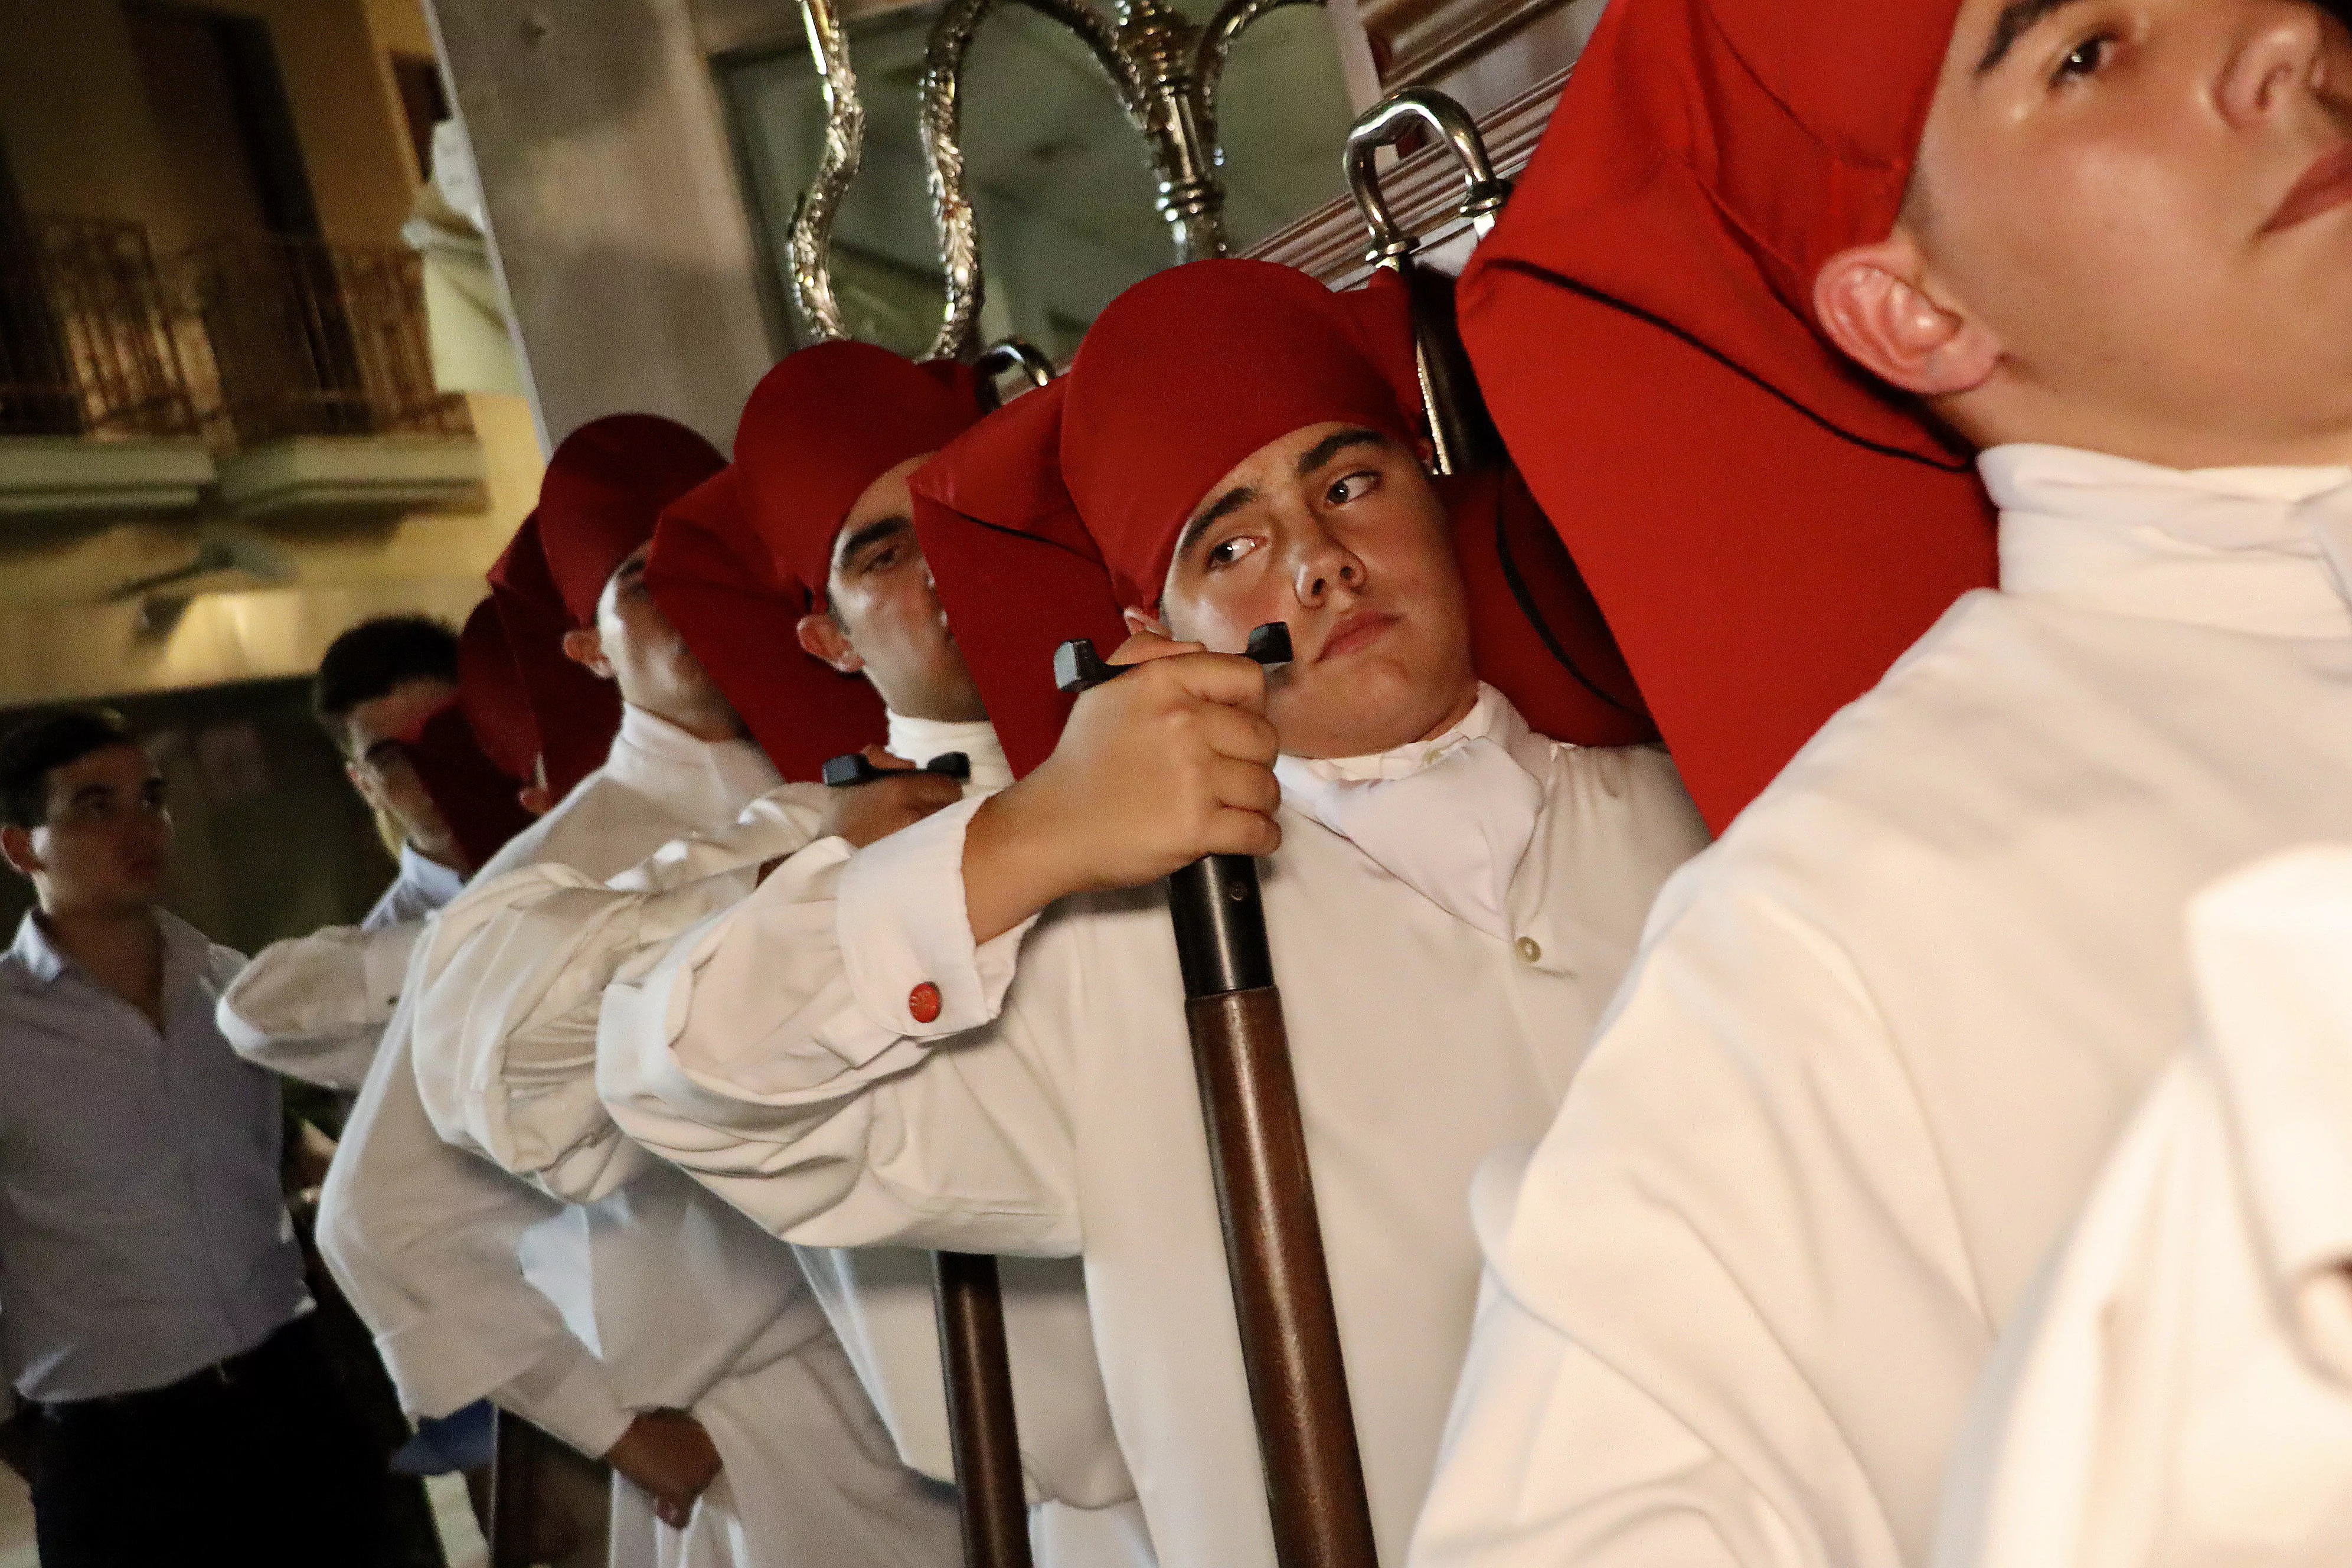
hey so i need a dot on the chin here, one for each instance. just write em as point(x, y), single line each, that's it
point(1367, 711)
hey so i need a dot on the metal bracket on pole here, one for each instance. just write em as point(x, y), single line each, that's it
point(1265, 1192)
point(1459, 426)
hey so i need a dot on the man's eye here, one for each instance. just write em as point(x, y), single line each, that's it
point(1355, 487)
point(1231, 550)
point(2084, 60)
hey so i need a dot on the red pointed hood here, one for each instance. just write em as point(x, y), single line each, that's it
point(1765, 526)
point(738, 561)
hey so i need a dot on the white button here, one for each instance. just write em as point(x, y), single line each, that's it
point(1530, 951)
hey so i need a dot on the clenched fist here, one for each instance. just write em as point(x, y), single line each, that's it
point(863, 812)
point(1166, 764)
point(669, 1454)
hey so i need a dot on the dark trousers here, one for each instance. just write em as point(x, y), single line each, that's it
point(257, 1462)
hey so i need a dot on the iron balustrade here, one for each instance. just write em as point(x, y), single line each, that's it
point(88, 341)
point(312, 338)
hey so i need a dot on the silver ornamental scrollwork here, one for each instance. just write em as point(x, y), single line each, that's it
point(808, 249)
point(1165, 72)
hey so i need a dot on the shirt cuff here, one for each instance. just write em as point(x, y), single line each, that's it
point(383, 966)
point(568, 1396)
point(905, 936)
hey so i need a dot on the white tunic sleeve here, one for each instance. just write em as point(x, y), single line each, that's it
point(2178, 1393)
point(1730, 1321)
point(314, 1008)
point(509, 986)
point(824, 1056)
point(423, 1238)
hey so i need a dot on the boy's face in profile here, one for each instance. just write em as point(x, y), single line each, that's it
point(2148, 205)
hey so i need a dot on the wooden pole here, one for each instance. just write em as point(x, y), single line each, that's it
point(514, 1466)
point(981, 1430)
point(981, 1423)
point(1266, 1193)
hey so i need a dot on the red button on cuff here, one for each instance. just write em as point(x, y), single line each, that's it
point(923, 1003)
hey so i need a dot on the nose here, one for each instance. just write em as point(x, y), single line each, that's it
point(2275, 62)
point(1324, 565)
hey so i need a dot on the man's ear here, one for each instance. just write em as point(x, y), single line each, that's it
point(17, 849)
point(823, 639)
point(1142, 623)
point(1873, 304)
point(584, 646)
point(364, 780)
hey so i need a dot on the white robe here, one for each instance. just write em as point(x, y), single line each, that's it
point(1882, 1035)
point(2181, 1394)
point(509, 995)
point(773, 1054)
point(315, 1007)
point(656, 1297)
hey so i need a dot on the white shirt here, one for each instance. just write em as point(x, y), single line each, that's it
point(142, 1233)
point(773, 1053)
point(315, 1007)
point(2180, 1394)
point(1882, 1035)
point(476, 1286)
point(423, 886)
point(509, 996)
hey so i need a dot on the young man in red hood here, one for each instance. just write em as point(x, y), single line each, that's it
point(1880, 1037)
point(651, 1327)
point(809, 536)
point(895, 1047)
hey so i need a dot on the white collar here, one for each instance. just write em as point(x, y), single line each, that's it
point(184, 949)
point(1450, 817)
point(705, 783)
point(2264, 550)
point(1491, 717)
point(920, 740)
point(438, 883)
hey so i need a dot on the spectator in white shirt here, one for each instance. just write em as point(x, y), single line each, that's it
point(155, 1321)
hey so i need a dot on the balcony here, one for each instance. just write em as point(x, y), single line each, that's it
point(320, 364)
point(95, 410)
point(283, 376)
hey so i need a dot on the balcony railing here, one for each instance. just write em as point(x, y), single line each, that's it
point(243, 341)
point(311, 339)
point(87, 340)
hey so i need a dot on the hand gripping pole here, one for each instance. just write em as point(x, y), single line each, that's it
point(1266, 1193)
point(982, 1433)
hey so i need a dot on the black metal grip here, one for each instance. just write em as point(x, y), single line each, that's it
point(854, 768)
point(1078, 667)
point(1219, 927)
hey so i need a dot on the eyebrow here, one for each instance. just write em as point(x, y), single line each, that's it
point(1224, 506)
point(90, 792)
point(2017, 18)
point(873, 532)
point(1331, 446)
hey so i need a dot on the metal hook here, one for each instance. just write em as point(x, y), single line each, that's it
point(1459, 428)
point(1000, 358)
point(1388, 121)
